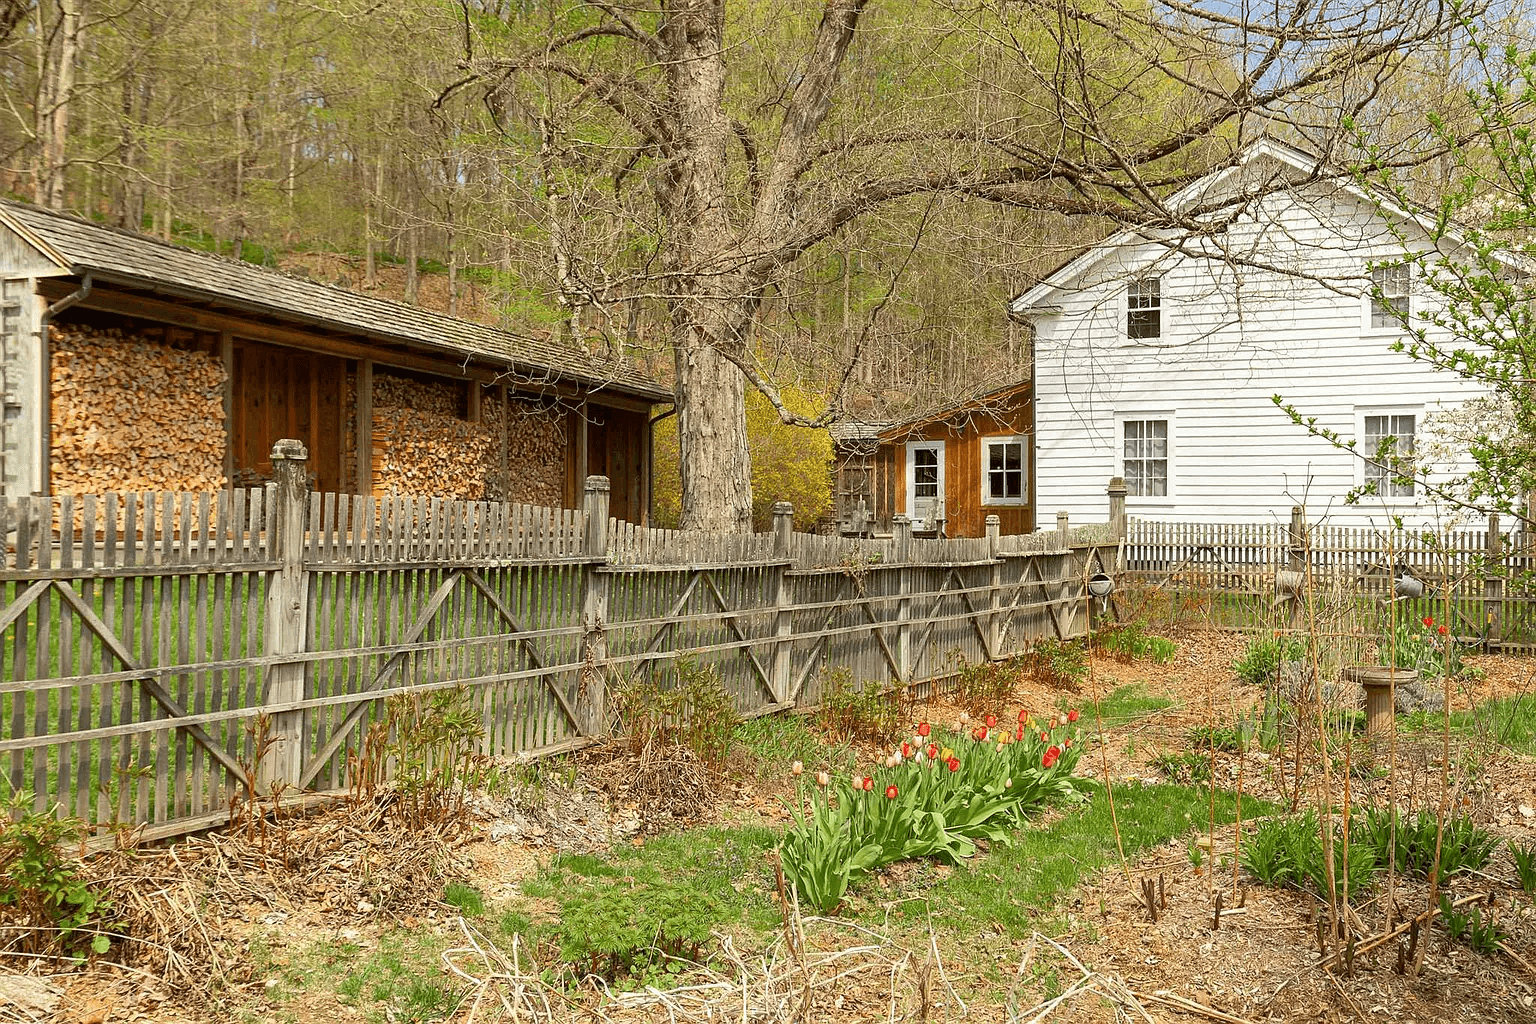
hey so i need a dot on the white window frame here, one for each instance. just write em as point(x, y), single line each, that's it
point(1022, 440)
point(1368, 306)
point(1161, 308)
point(1137, 415)
point(1367, 449)
point(912, 447)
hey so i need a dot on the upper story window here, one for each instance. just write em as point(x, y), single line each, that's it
point(1389, 296)
point(1144, 308)
point(1004, 471)
point(1392, 436)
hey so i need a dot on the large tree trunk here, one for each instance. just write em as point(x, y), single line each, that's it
point(712, 437)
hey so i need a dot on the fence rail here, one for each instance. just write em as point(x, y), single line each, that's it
point(1481, 574)
point(151, 644)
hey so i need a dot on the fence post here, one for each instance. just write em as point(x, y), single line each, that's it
point(1493, 581)
point(287, 613)
point(1063, 532)
point(1297, 560)
point(995, 598)
point(592, 700)
point(901, 527)
point(784, 619)
point(1117, 492)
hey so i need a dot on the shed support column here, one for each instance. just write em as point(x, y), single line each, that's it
point(592, 700)
point(227, 358)
point(363, 428)
point(901, 527)
point(784, 619)
point(287, 614)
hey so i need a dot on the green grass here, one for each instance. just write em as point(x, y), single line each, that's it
point(1123, 706)
point(1021, 885)
point(466, 899)
point(772, 743)
point(401, 980)
point(1509, 722)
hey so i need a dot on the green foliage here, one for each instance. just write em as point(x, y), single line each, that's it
point(685, 705)
point(1482, 934)
point(1126, 704)
point(946, 793)
point(1260, 663)
point(1464, 846)
point(1187, 767)
point(1058, 662)
point(1418, 643)
point(1525, 867)
point(432, 740)
point(789, 463)
point(464, 898)
point(861, 714)
point(48, 903)
point(1290, 852)
point(1220, 737)
point(633, 933)
point(1131, 642)
point(770, 744)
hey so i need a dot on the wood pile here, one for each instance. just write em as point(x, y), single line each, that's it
point(536, 447)
point(132, 413)
point(423, 445)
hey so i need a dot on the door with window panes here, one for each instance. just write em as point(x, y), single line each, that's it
point(925, 483)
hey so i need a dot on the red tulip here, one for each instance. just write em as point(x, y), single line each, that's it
point(991, 721)
point(906, 750)
point(924, 729)
point(1429, 620)
point(1443, 631)
point(953, 764)
point(869, 783)
point(1044, 737)
point(1066, 743)
point(933, 751)
point(1072, 715)
point(1019, 735)
point(1048, 760)
point(1023, 716)
point(890, 792)
point(1055, 751)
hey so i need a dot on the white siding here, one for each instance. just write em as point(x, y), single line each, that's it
point(1236, 331)
point(21, 387)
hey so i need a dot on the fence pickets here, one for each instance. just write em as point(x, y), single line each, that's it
point(151, 645)
point(1480, 573)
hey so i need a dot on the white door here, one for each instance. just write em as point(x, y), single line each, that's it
point(925, 483)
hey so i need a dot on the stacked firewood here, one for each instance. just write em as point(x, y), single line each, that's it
point(536, 445)
point(132, 413)
point(423, 445)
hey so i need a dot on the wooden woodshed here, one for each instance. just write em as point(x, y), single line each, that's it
point(133, 365)
point(946, 470)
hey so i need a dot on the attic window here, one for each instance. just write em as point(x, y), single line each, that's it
point(1389, 296)
point(1144, 308)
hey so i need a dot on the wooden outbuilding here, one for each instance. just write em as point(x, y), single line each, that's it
point(134, 365)
point(947, 471)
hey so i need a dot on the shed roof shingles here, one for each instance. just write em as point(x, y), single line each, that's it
point(115, 253)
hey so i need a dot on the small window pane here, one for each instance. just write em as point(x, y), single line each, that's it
point(1389, 296)
point(1004, 471)
point(1143, 308)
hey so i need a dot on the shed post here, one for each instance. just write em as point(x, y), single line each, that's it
point(784, 619)
point(901, 528)
point(363, 414)
point(287, 613)
point(995, 625)
point(1493, 581)
point(227, 360)
point(1117, 491)
point(592, 700)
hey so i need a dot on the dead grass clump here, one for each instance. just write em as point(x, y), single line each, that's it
point(668, 784)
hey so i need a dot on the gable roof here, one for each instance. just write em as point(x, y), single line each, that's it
point(860, 434)
point(111, 255)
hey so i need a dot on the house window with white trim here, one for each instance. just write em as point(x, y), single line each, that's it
point(1004, 470)
point(1145, 457)
point(1144, 308)
point(1391, 436)
point(1389, 296)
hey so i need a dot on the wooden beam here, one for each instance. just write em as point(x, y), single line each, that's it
point(363, 426)
point(583, 456)
point(506, 415)
point(227, 358)
point(472, 401)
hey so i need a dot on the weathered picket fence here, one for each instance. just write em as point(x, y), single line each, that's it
point(1479, 577)
point(150, 644)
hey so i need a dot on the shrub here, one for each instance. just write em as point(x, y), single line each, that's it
point(636, 933)
point(685, 705)
point(984, 685)
point(935, 797)
point(1058, 662)
point(1260, 664)
point(48, 903)
point(432, 739)
point(868, 713)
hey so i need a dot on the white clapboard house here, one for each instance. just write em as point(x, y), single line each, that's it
point(1157, 356)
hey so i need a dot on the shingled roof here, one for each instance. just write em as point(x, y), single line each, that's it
point(115, 256)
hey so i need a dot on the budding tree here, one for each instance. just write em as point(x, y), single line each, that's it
point(688, 154)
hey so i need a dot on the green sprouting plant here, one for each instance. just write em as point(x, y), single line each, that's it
point(1132, 642)
point(1464, 846)
point(48, 903)
point(1196, 855)
point(1186, 768)
point(1225, 737)
point(867, 714)
point(1260, 664)
point(684, 705)
point(984, 686)
point(1525, 867)
point(1058, 662)
point(432, 738)
point(1290, 852)
point(465, 898)
point(1482, 934)
point(630, 933)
